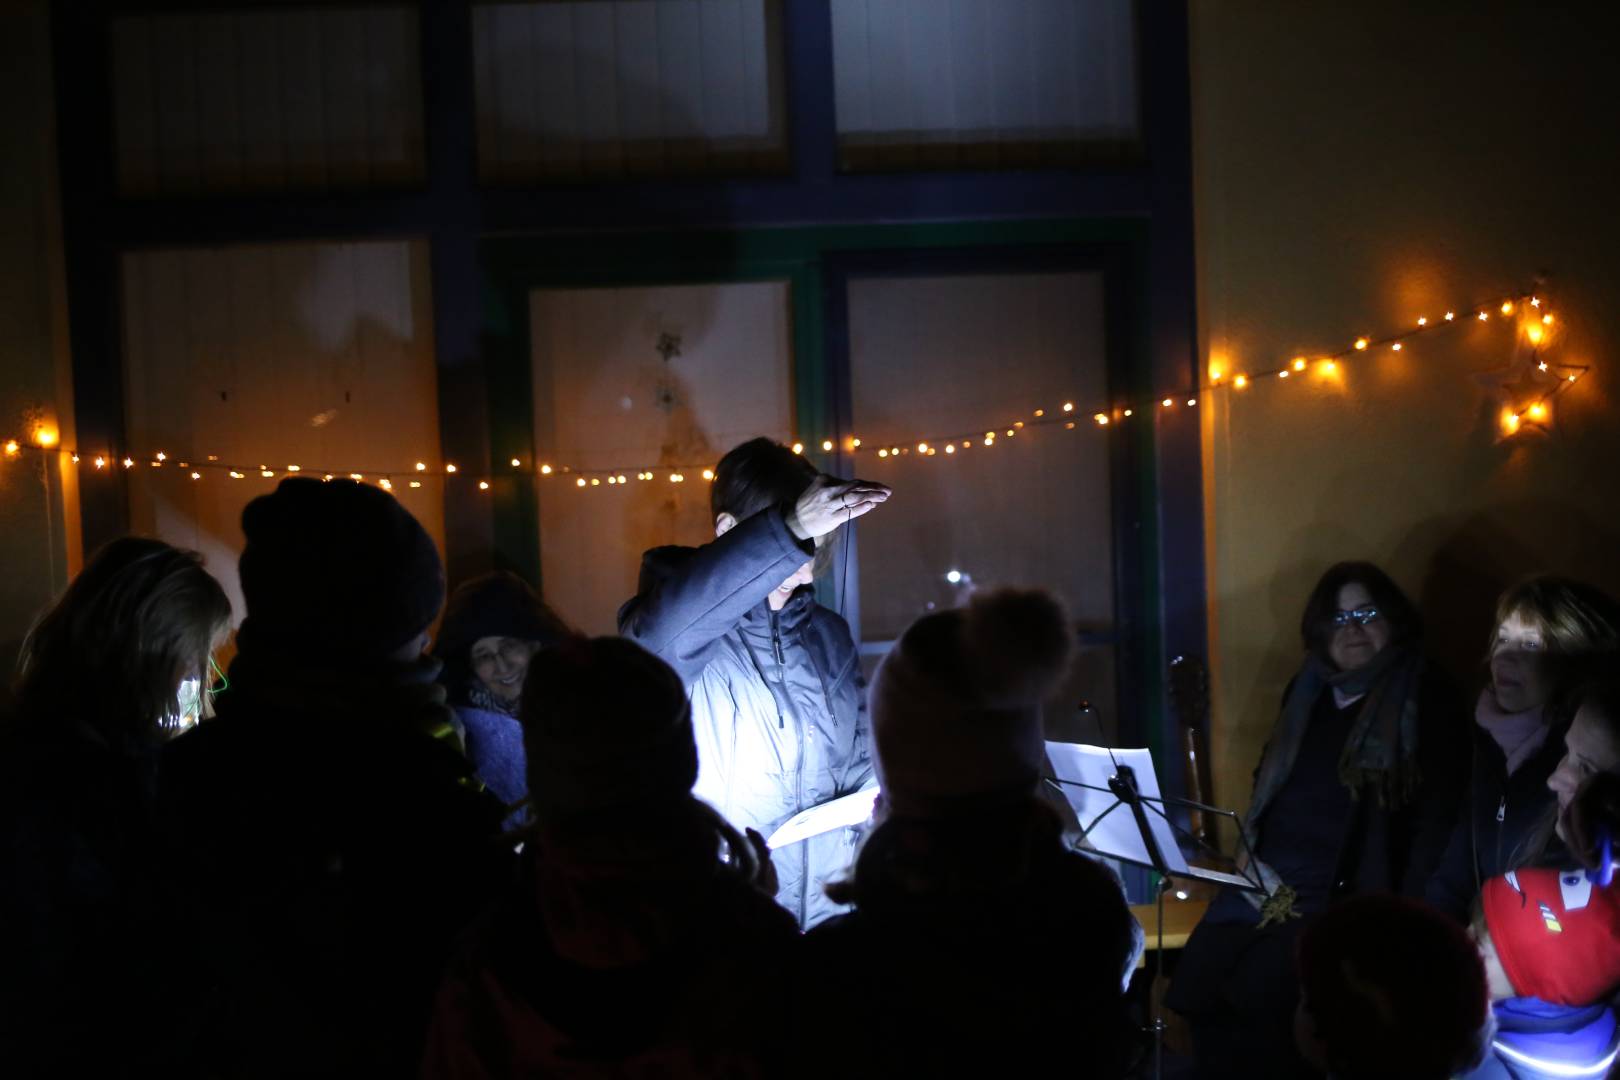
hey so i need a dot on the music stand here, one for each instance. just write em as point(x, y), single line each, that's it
point(1148, 838)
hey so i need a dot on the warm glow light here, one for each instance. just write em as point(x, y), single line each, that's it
point(293, 468)
point(596, 481)
point(449, 468)
point(1215, 373)
point(101, 462)
point(386, 484)
point(416, 483)
point(1542, 366)
point(75, 459)
point(1069, 426)
point(235, 475)
point(855, 444)
point(798, 448)
point(1484, 315)
point(545, 470)
point(708, 474)
point(1068, 406)
point(1167, 403)
point(1507, 307)
point(883, 453)
point(826, 444)
point(516, 462)
point(1450, 315)
point(580, 482)
point(1361, 343)
point(676, 478)
point(45, 436)
point(1547, 318)
point(328, 476)
point(989, 440)
point(950, 448)
point(1534, 334)
point(356, 476)
point(1330, 366)
point(1538, 411)
point(966, 443)
point(1535, 301)
point(267, 473)
point(1101, 418)
point(161, 456)
point(1283, 374)
point(1040, 412)
point(12, 447)
point(483, 485)
point(1127, 412)
point(1191, 402)
point(196, 476)
point(1299, 362)
point(1018, 423)
point(421, 466)
point(1510, 421)
point(129, 463)
point(922, 448)
point(622, 480)
point(1423, 320)
point(1396, 346)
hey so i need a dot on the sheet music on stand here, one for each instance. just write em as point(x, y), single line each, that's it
point(1113, 823)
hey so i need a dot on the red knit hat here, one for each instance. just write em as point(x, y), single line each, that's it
point(1557, 934)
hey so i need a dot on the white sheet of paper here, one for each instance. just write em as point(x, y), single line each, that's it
point(1114, 833)
point(838, 814)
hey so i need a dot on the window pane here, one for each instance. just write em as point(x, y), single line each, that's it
point(267, 100)
point(570, 89)
point(606, 398)
point(983, 83)
point(318, 355)
point(963, 356)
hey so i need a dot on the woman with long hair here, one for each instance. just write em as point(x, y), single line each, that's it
point(1548, 630)
point(119, 665)
point(1355, 792)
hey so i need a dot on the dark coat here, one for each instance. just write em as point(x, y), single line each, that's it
point(996, 961)
point(1501, 825)
point(332, 843)
point(778, 698)
point(618, 970)
point(86, 921)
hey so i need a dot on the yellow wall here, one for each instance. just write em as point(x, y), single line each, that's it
point(1358, 165)
point(38, 497)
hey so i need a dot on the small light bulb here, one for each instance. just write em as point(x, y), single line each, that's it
point(1510, 422)
point(1241, 381)
point(1283, 374)
point(129, 463)
point(1181, 894)
point(328, 476)
point(1534, 334)
point(1167, 403)
point(883, 453)
point(708, 474)
point(1537, 411)
point(75, 459)
point(798, 448)
point(45, 437)
point(1299, 363)
point(1542, 366)
point(1215, 374)
point(294, 468)
point(1191, 402)
point(161, 456)
point(1535, 301)
point(966, 443)
point(950, 448)
point(596, 481)
point(449, 468)
point(855, 444)
point(235, 475)
point(1423, 320)
point(416, 483)
point(922, 448)
point(1507, 307)
point(1069, 426)
point(516, 462)
point(989, 441)
point(1572, 378)
point(1361, 343)
point(483, 485)
point(1127, 412)
point(1040, 413)
point(1547, 319)
point(356, 476)
point(622, 480)
point(954, 577)
point(101, 462)
point(1330, 366)
point(1396, 347)
point(1101, 418)
point(580, 482)
point(421, 466)
point(1484, 315)
point(267, 473)
point(545, 470)
point(386, 484)
point(196, 476)
point(1068, 406)
point(1450, 315)
point(826, 444)
point(12, 447)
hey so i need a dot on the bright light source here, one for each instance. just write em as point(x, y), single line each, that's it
point(954, 577)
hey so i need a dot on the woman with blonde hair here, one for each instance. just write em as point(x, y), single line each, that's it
point(1547, 629)
point(115, 669)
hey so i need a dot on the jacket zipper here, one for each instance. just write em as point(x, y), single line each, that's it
point(1501, 810)
point(776, 651)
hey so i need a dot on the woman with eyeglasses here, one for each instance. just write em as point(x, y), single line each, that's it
point(1355, 792)
point(120, 665)
point(1547, 630)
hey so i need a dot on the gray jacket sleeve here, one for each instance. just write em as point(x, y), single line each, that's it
point(690, 597)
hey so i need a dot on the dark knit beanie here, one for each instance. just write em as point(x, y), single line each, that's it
point(605, 723)
point(337, 566)
point(956, 704)
point(495, 605)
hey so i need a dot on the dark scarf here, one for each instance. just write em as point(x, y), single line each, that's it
point(480, 698)
point(1381, 750)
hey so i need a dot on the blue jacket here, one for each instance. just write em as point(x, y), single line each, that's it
point(1538, 1041)
point(494, 743)
point(778, 699)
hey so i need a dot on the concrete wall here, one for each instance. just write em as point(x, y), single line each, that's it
point(1358, 166)
point(38, 494)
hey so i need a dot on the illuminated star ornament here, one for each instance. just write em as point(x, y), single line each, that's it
point(1523, 390)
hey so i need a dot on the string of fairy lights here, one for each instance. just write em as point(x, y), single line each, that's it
point(1530, 313)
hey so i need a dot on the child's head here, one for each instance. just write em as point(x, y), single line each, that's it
point(1550, 934)
point(1390, 987)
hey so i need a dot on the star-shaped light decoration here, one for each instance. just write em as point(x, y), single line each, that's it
point(1523, 389)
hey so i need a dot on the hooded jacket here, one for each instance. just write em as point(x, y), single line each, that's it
point(1538, 1041)
point(778, 698)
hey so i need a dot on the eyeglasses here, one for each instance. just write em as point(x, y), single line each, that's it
point(219, 683)
point(1360, 616)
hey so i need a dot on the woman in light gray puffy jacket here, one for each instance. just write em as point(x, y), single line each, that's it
point(778, 699)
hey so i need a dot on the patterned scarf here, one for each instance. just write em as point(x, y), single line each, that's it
point(480, 698)
point(1381, 750)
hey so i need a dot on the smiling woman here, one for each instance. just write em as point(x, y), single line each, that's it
point(1355, 793)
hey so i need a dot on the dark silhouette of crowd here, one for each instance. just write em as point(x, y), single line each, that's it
point(510, 850)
